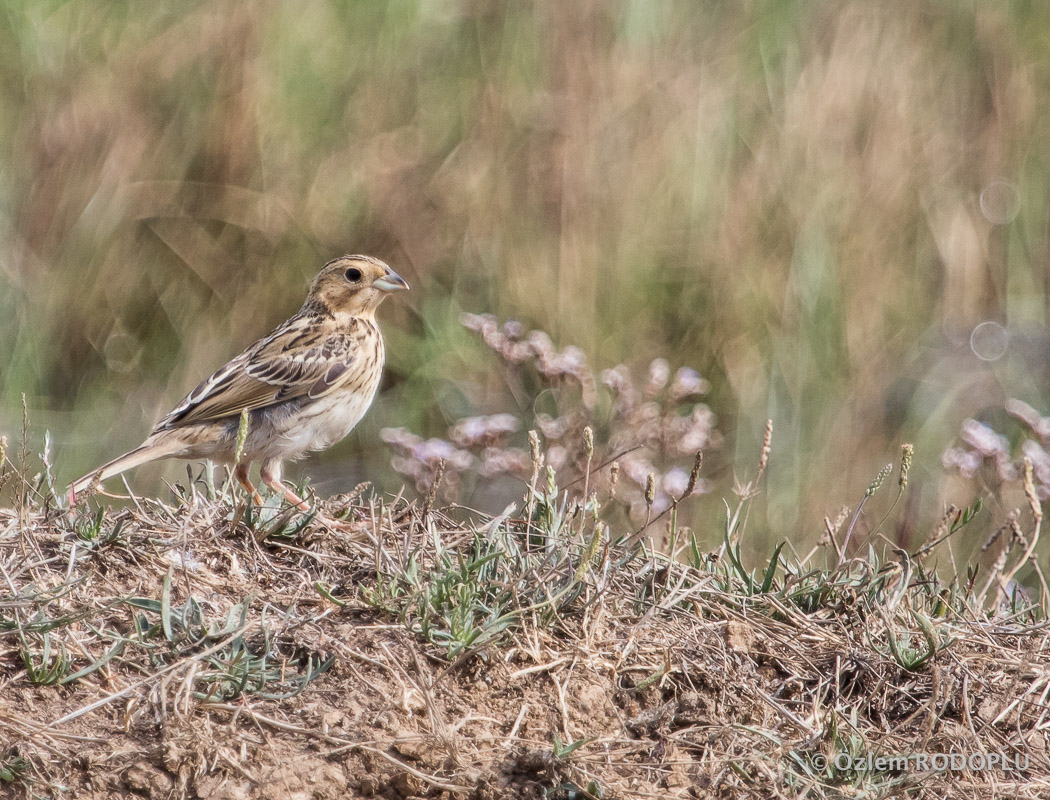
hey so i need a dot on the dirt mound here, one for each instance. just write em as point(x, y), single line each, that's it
point(195, 651)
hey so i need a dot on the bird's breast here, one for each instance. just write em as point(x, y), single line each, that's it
point(329, 419)
point(322, 422)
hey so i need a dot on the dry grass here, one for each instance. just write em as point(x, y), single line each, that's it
point(200, 648)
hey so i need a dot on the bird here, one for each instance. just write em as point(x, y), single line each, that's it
point(303, 387)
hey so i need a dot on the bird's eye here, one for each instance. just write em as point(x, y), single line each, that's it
point(353, 274)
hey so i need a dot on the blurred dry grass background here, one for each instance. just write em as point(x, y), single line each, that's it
point(814, 204)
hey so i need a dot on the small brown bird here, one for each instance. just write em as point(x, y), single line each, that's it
point(305, 385)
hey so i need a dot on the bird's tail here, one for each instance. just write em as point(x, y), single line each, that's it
point(147, 451)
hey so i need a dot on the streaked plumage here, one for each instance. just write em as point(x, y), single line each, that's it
point(305, 385)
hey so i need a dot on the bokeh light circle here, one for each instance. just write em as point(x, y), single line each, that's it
point(1000, 201)
point(989, 341)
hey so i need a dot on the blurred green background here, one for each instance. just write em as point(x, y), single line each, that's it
point(815, 204)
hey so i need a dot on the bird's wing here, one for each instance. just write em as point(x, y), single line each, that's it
point(299, 359)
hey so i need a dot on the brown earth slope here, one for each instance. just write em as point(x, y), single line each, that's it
point(189, 652)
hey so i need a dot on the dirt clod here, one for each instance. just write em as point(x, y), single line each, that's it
point(145, 779)
point(304, 778)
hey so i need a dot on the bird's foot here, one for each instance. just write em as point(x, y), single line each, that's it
point(340, 525)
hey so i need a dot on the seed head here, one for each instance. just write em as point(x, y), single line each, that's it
point(767, 447)
point(242, 436)
point(907, 450)
point(1030, 492)
point(694, 475)
point(534, 450)
point(876, 484)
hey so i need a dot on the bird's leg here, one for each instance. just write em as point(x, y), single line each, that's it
point(241, 474)
point(271, 476)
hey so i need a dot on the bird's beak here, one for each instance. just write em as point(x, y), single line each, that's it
point(391, 282)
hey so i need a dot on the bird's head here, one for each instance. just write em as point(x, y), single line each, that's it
point(354, 285)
